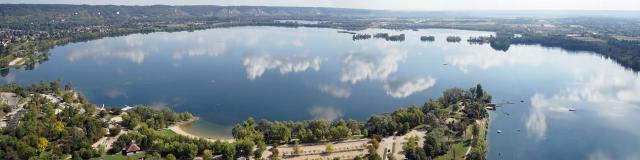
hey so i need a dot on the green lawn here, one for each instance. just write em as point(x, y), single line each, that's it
point(119, 156)
point(168, 133)
point(460, 148)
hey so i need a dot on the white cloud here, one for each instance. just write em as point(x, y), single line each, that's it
point(325, 112)
point(405, 88)
point(361, 66)
point(257, 64)
point(335, 91)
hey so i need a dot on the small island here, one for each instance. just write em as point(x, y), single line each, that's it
point(427, 38)
point(389, 37)
point(453, 39)
point(361, 37)
point(47, 121)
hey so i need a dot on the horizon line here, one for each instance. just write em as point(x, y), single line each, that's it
point(395, 10)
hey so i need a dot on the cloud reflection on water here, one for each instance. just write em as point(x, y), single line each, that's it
point(325, 112)
point(335, 91)
point(469, 57)
point(130, 47)
point(602, 88)
point(405, 87)
point(257, 64)
point(363, 66)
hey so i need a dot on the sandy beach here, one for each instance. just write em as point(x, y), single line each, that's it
point(16, 61)
point(177, 128)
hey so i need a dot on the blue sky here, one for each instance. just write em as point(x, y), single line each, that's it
point(385, 4)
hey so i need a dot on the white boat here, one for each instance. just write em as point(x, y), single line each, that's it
point(126, 107)
point(499, 131)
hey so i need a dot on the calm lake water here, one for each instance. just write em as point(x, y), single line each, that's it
point(226, 75)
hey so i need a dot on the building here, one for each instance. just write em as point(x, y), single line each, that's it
point(132, 148)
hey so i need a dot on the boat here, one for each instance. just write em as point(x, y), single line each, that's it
point(499, 131)
point(126, 107)
point(572, 110)
point(490, 106)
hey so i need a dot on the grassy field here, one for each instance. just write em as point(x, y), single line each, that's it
point(168, 133)
point(461, 146)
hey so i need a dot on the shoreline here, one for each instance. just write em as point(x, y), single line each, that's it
point(177, 128)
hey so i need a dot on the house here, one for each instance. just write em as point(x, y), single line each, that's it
point(132, 148)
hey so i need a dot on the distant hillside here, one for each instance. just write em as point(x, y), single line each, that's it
point(49, 16)
point(163, 11)
point(26, 14)
point(43, 13)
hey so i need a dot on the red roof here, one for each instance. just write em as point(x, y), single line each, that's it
point(133, 148)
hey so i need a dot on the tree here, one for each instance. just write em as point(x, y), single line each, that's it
point(207, 154)
point(479, 92)
point(257, 154)
point(102, 151)
point(475, 130)
point(329, 148)
point(373, 155)
point(296, 148)
point(375, 141)
point(114, 131)
point(432, 147)
point(171, 157)
point(244, 148)
point(340, 132)
point(68, 86)
point(68, 97)
point(476, 156)
point(228, 151)
point(275, 153)
point(42, 143)
point(452, 96)
point(411, 148)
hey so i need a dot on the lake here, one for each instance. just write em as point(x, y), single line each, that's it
point(228, 74)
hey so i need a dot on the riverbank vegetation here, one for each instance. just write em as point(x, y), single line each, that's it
point(58, 122)
point(446, 120)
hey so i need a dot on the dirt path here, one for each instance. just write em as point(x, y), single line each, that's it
point(468, 150)
point(107, 141)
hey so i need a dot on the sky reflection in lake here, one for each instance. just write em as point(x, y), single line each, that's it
point(225, 75)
